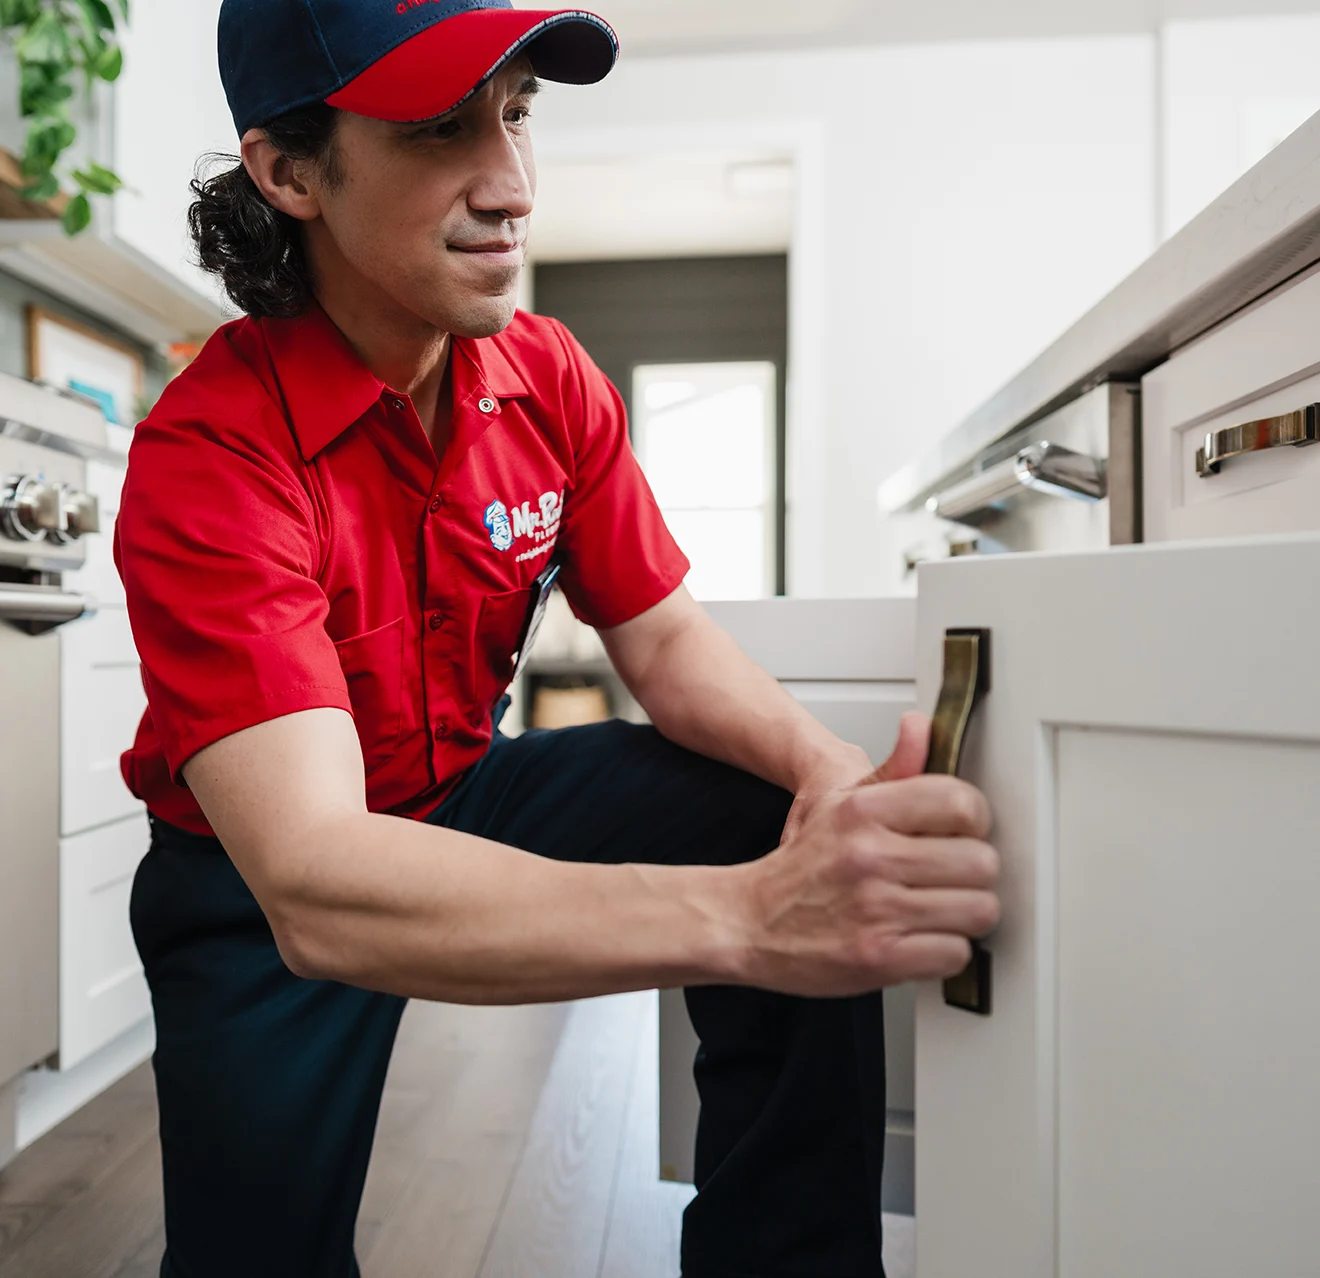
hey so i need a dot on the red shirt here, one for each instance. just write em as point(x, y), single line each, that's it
point(288, 541)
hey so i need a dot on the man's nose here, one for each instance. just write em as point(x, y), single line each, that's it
point(503, 183)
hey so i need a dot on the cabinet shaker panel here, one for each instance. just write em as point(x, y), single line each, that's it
point(1141, 1099)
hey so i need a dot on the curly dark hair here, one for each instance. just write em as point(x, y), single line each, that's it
point(254, 249)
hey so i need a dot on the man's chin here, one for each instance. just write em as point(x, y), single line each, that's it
point(484, 318)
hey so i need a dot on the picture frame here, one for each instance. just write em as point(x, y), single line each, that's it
point(73, 356)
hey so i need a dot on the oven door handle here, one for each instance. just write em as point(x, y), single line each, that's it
point(1290, 430)
point(43, 605)
point(1043, 468)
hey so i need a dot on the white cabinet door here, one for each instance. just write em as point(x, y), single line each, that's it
point(101, 704)
point(1143, 1099)
point(102, 989)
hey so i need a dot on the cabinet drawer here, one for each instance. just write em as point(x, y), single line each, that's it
point(1263, 364)
point(101, 704)
point(98, 576)
point(102, 989)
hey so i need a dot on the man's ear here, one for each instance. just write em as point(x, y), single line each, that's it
point(277, 178)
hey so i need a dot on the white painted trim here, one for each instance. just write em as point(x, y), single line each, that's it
point(47, 1098)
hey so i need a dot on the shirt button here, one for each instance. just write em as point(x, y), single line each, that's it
point(487, 405)
point(436, 505)
point(400, 405)
point(437, 620)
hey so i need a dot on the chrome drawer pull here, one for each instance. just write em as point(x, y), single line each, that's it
point(1292, 430)
point(1043, 468)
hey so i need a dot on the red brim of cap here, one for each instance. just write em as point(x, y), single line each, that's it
point(442, 66)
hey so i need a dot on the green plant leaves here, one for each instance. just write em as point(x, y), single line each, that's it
point(97, 14)
point(97, 181)
point(78, 215)
point(110, 62)
point(55, 41)
point(45, 188)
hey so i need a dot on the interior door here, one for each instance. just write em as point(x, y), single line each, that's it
point(1143, 1099)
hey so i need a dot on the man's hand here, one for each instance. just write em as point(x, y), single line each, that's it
point(881, 884)
point(850, 767)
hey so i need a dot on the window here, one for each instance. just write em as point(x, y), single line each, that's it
point(705, 436)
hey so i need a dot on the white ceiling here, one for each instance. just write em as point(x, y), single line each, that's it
point(692, 26)
point(662, 205)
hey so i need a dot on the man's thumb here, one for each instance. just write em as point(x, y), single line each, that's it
point(909, 756)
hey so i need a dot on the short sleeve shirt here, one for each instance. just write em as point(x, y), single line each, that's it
point(288, 540)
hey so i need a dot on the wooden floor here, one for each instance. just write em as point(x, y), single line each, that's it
point(513, 1143)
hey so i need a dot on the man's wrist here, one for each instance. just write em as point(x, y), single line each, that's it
point(830, 760)
point(719, 927)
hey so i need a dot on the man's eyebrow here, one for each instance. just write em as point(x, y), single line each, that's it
point(529, 88)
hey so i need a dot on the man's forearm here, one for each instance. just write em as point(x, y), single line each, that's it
point(391, 905)
point(704, 693)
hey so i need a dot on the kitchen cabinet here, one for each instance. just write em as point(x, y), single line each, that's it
point(103, 991)
point(101, 703)
point(1141, 1100)
point(851, 662)
point(1260, 372)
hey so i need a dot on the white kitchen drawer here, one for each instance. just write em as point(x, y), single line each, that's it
point(1263, 363)
point(102, 989)
point(105, 481)
point(101, 704)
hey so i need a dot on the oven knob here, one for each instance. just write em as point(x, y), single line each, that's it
point(30, 509)
point(82, 513)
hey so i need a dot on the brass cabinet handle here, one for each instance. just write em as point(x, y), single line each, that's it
point(966, 681)
point(1292, 430)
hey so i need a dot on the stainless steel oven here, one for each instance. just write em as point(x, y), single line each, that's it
point(46, 438)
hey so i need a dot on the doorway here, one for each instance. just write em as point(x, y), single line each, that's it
point(689, 341)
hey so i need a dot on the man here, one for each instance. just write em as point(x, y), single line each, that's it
point(330, 557)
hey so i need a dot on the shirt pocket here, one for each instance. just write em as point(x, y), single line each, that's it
point(499, 627)
point(373, 669)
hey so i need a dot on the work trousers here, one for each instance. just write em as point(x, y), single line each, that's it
point(270, 1085)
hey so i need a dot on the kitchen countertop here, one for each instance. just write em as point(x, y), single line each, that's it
point(1263, 230)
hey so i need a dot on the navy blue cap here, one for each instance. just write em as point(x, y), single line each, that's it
point(394, 59)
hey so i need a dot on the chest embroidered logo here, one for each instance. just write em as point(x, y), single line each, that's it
point(497, 523)
point(540, 525)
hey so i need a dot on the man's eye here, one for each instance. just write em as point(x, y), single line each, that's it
point(519, 115)
point(445, 129)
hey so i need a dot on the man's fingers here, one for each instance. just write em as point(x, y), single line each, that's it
point(958, 911)
point(941, 863)
point(929, 956)
point(933, 806)
point(910, 753)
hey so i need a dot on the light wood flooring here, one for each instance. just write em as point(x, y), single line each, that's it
point(513, 1143)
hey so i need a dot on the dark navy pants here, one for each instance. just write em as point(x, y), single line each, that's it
point(269, 1086)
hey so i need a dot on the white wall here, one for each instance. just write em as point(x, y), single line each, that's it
point(1233, 90)
point(958, 206)
point(169, 110)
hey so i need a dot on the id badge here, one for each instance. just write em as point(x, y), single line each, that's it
point(542, 589)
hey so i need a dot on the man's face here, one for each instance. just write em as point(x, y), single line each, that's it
point(435, 215)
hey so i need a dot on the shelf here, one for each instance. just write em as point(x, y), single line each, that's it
point(98, 271)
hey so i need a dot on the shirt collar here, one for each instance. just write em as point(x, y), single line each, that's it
point(327, 387)
point(325, 384)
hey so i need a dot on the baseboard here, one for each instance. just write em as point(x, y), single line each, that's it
point(45, 1098)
